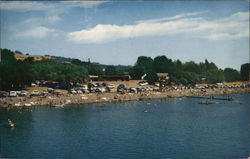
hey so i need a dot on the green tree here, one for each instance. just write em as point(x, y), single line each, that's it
point(77, 62)
point(192, 67)
point(110, 70)
point(137, 72)
point(215, 76)
point(151, 77)
point(163, 64)
point(14, 74)
point(231, 75)
point(62, 72)
point(145, 62)
point(189, 78)
point(178, 66)
point(245, 71)
point(143, 65)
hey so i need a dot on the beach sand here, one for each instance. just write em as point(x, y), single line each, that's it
point(67, 99)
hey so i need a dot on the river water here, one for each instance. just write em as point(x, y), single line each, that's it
point(178, 128)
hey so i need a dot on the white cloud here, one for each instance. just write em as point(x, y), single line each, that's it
point(84, 4)
point(28, 27)
point(179, 16)
point(45, 6)
point(37, 32)
point(52, 19)
point(232, 27)
point(23, 6)
point(46, 20)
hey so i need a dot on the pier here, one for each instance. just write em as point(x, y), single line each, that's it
point(228, 98)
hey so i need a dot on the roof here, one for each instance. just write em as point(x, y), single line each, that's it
point(93, 76)
point(162, 74)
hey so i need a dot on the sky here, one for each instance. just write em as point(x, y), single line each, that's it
point(117, 32)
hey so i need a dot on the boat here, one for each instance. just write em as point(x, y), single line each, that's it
point(27, 104)
point(207, 102)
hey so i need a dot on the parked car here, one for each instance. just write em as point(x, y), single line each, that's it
point(98, 90)
point(104, 84)
point(3, 94)
point(120, 87)
point(50, 90)
point(33, 85)
point(85, 91)
point(157, 84)
point(92, 90)
point(72, 91)
point(156, 89)
point(91, 85)
point(85, 87)
point(79, 92)
point(18, 92)
point(102, 90)
point(132, 90)
point(111, 86)
point(44, 92)
point(78, 88)
point(24, 93)
point(143, 83)
point(13, 94)
point(108, 89)
point(35, 93)
point(98, 85)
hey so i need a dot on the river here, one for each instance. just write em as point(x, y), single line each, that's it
point(177, 128)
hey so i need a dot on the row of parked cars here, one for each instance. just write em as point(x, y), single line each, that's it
point(104, 87)
point(122, 89)
point(223, 86)
point(206, 86)
point(24, 93)
point(92, 88)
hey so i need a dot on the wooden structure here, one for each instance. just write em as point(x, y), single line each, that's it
point(109, 77)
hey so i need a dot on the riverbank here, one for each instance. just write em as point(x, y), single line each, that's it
point(67, 99)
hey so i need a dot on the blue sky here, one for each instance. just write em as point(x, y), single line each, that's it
point(116, 32)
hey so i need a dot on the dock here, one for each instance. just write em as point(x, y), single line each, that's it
point(212, 97)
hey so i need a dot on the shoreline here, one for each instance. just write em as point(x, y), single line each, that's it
point(68, 99)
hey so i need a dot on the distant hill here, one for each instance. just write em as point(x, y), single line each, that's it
point(20, 56)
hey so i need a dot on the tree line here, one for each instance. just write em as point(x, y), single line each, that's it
point(186, 73)
point(17, 74)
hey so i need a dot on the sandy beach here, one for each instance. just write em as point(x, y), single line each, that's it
point(67, 99)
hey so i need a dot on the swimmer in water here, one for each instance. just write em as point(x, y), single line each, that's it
point(10, 123)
